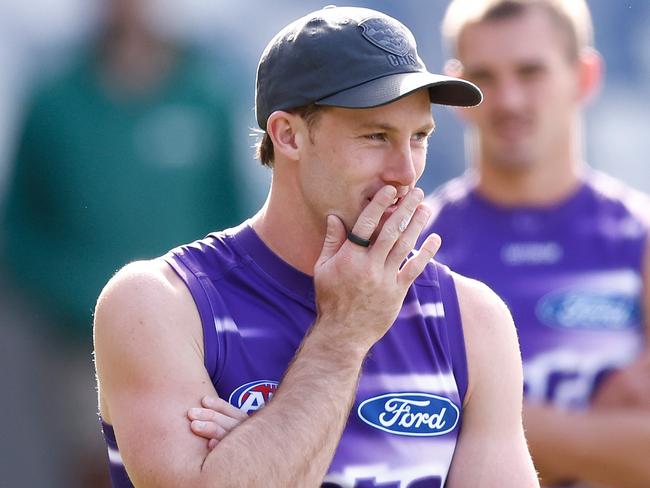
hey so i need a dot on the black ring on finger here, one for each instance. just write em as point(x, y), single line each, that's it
point(359, 241)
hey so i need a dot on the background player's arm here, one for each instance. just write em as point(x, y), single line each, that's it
point(605, 447)
point(492, 449)
point(607, 444)
point(630, 386)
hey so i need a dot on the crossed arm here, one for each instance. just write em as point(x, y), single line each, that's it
point(145, 393)
point(609, 443)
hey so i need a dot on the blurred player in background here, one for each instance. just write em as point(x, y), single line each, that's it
point(316, 309)
point(565, 246)
point(122, 155)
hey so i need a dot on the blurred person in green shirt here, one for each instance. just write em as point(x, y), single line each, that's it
point(128, 153)
point(124, 155)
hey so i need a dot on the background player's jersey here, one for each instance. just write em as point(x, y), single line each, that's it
point(570, 274)
point(255, 310)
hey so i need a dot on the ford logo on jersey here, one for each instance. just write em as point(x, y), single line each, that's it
point(253, 396)
point(589, 310)
point(414, 414)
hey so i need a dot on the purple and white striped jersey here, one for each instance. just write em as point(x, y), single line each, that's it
point(570, 274)
point(255, 310)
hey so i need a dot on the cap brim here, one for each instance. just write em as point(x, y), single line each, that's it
point(443, 90)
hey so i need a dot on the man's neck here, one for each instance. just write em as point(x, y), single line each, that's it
point(288, 232)
point(534, 186)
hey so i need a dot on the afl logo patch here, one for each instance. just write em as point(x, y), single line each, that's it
point(387, 35)
point(411, 414)
point(253, 396)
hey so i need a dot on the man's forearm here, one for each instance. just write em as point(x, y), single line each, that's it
point(609, 447)
point(292, 440)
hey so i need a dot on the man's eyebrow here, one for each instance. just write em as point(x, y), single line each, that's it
point(427, 127)
point(377, 126)
point(476, 71)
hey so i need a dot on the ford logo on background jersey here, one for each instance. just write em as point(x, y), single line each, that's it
point(414, 414)
point(589, 310)
point(253, 396)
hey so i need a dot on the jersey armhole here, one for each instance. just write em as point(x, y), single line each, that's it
point(116, 470)
point(204, 307)
point(454, 329)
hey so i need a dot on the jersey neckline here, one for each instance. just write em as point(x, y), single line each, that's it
point(293, 280)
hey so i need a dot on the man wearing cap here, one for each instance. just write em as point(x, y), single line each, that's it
point(366, 356)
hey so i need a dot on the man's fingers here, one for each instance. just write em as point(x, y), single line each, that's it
point(210, 424)
point(225, 420)
point(220, 405)
point(370, 216)
point(398, 223)
point(417, 263)
point(409, 236)
point(208, 430)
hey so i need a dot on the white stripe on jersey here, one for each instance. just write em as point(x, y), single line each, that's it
point(114, 457)
point(397, 476)
point(225, 324)
point(441, 383)
point(433, 310)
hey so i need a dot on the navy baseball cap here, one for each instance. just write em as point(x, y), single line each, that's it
point(348, 57)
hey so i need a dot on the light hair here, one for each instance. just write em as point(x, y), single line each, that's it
point(570, 16)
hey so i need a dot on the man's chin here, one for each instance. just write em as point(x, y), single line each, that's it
point(512, 155)
point(514, 163)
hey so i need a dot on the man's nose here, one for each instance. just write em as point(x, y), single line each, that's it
point(507, 94)
point(400, 169)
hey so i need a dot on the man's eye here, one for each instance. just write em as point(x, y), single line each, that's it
point(480, 77)
point(378, 136)
point(531, 71)
point(421, 137)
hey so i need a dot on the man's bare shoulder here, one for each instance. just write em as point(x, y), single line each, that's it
point(142, 284)
point(481, 308)
point(490, 337)
point(144, 315)
point(635, 201)
point(144, 301)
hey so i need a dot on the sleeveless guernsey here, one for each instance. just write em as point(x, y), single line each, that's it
point(255, 310)
point(570, 274)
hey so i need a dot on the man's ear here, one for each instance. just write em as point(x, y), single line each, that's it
point(453, 67)
point(285, 130)
point(591, 68)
